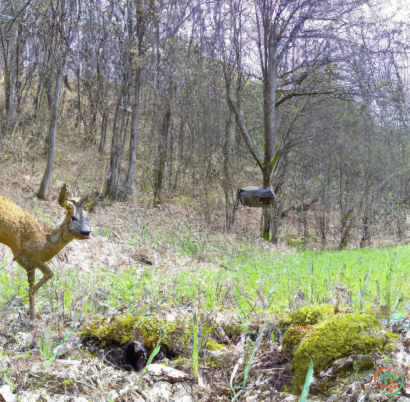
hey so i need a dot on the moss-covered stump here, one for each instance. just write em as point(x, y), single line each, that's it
point(311, 315)
point(129, 340)
point(339, 336)
point(292, 338)
point(308, 315)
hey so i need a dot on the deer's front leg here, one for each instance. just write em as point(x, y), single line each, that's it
point(48, 274)
point(31, 269)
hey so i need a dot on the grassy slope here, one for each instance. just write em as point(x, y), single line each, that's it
point(248, 279)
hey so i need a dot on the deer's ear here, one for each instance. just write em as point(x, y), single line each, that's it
point(62, 199)
point(70, 209)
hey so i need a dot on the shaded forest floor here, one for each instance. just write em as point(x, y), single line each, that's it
point(166, 264)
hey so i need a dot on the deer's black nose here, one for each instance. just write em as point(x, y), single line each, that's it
point(85, 227)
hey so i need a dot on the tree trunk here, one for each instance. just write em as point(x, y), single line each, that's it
point(231, 135)
point(117, 143)
point(267, 218)
point(116, 155)
point(140, 33)
point(45, 187)
point(275, 216)
point(132, 162)
point(39, 94)
point(366, 233)
point(79, 116)
point(228, 150)
point(181, 162)
point(17, 81)
point(11, 61)
point(170, 161)
point(7, 85)
point(103, 132)
point(162, 155)
point(95, 102)
point(124, 125)
point(12, 82)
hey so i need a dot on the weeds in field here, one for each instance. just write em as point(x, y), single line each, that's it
point(257, 283)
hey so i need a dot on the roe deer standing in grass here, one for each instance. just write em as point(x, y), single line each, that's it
point(33, 246)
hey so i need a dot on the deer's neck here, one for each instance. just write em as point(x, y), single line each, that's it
point(57, 240)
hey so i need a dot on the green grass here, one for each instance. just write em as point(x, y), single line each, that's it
point(380, 273)
point(249, 281)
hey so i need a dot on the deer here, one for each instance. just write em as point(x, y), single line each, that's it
point(33, 245)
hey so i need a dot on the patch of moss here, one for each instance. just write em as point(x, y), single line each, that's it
point(340, 336)
point(234, 328)
point(123, 329)
point(292, 338)
point(381, 311)
point(152, 330)
point(213, 346)
point(183, 364)
point(211, 363)
point(311, 315)
point(285, 322)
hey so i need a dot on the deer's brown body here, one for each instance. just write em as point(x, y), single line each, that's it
point(32, 245)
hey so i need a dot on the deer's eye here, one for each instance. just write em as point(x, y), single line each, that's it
point(74, 218)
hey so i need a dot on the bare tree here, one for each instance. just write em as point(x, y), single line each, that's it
point(60, 22)
point(293, 41)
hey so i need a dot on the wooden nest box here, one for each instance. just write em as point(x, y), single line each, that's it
point(255, 197)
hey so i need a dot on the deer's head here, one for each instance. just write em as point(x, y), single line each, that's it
point(76, 219)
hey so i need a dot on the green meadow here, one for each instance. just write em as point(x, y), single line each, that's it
point(247, 280)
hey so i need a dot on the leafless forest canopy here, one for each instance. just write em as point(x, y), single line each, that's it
point(197, 98)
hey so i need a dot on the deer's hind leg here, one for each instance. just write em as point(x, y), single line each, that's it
point(31, 276)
